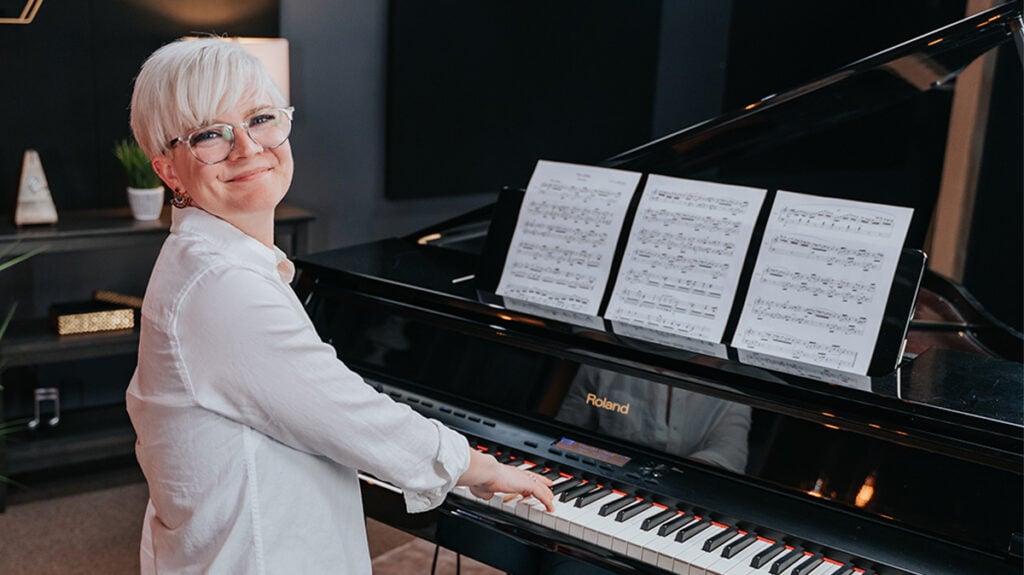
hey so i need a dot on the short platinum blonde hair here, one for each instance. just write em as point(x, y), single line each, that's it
point(189, 83)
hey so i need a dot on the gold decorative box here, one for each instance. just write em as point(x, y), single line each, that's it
point(90, 317)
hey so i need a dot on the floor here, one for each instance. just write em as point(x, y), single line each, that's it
point(86, 521)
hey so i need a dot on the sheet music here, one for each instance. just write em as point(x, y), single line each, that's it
point(575, 318)
point(672, 340)
point(815, 372)
point(564, 241)
point(684, 257)
point(821, 282)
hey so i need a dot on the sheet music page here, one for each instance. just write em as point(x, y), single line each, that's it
point(815, 372)
point(719, 350)
point(594, 322)
point(564, 240)
point(822, 280)
point(684, 257)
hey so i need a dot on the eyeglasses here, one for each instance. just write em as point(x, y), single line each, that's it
point(213, 144)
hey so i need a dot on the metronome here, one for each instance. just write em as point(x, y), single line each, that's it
point(35, 205)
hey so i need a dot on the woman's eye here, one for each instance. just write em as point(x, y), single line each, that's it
point(262, 118)
point(207, 137)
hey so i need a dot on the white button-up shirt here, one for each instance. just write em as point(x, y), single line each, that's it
point(250, 429)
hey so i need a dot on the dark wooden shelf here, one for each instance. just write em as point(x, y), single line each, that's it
point(94, 433)
point(87, 230)
point(82, 435)
point(36, 342)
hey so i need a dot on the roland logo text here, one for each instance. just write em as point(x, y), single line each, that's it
point(605, 403)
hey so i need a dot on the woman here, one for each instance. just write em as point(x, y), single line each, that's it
point(249, 428)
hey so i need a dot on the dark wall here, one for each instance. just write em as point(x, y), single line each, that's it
point(479, 91)
point(68, 80)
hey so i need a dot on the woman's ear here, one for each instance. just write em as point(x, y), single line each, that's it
point(165, 169)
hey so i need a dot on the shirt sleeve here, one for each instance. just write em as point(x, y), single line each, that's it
point(250, 353)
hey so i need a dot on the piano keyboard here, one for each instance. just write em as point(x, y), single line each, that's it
point(671, 539)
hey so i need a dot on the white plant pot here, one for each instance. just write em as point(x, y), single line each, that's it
point(146, 203)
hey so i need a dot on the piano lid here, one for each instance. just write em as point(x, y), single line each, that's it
point(923, 64)
point(873, 130)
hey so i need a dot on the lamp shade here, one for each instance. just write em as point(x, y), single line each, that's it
point(273, 53)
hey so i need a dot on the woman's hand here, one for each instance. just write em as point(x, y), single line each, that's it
point(486, 476)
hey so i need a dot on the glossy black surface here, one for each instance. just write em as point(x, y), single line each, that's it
point(916, 470)
point(397, 313)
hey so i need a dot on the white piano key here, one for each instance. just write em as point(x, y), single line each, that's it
point(597, 524)
point(608, 527)
point(635, 535)
point(705, 560)
point(671, 554)
point(740, 563)
point(653, 546)
point(826, 568)
point(688, 555)
point(629, 529)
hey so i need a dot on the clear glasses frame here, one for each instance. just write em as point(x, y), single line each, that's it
point(199, 139)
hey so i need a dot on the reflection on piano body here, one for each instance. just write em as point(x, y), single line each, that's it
point(667, 461)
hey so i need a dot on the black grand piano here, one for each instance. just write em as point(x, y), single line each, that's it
point(724, 467)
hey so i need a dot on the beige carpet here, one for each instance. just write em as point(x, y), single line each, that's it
point(416, 557)
point(96, 532)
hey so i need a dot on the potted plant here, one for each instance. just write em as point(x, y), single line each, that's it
point(145, 190)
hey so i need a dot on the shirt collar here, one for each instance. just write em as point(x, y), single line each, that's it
point(192, 220)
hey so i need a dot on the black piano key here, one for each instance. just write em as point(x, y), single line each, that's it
point(652, 522)
point(670, 527)
point(767, 555)
point(843, 570)
point(566, 485)
point(785, 561)
point(807, 566)
point(719, 540)
point(612, 507)
point(738, 545)
point(576, 492)
point(503, 457)
point(632, 510)
point(692, 529)
point(592, 496)
point(551, 473)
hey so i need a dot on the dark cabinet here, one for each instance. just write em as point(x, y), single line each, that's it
point(62, 397)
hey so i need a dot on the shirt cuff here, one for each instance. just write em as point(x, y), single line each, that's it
point(451, 462)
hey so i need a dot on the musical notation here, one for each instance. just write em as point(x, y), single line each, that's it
point(578, 215)
point(799, 349)
point(565, 237)
point(815, 285)
point(565, 234)
point(667, 303)
point(684, 255)
point(829, 253)
point(684, 263)
point(838, 219)
point(674, 282)
point(821, 281)
point(557, 254)
point(579, 194)
point(664, 322)
point(551, 275)
point(698, 200)
point(695, 223)
point(827, 320)
point(547, 297)
point(685, 242)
